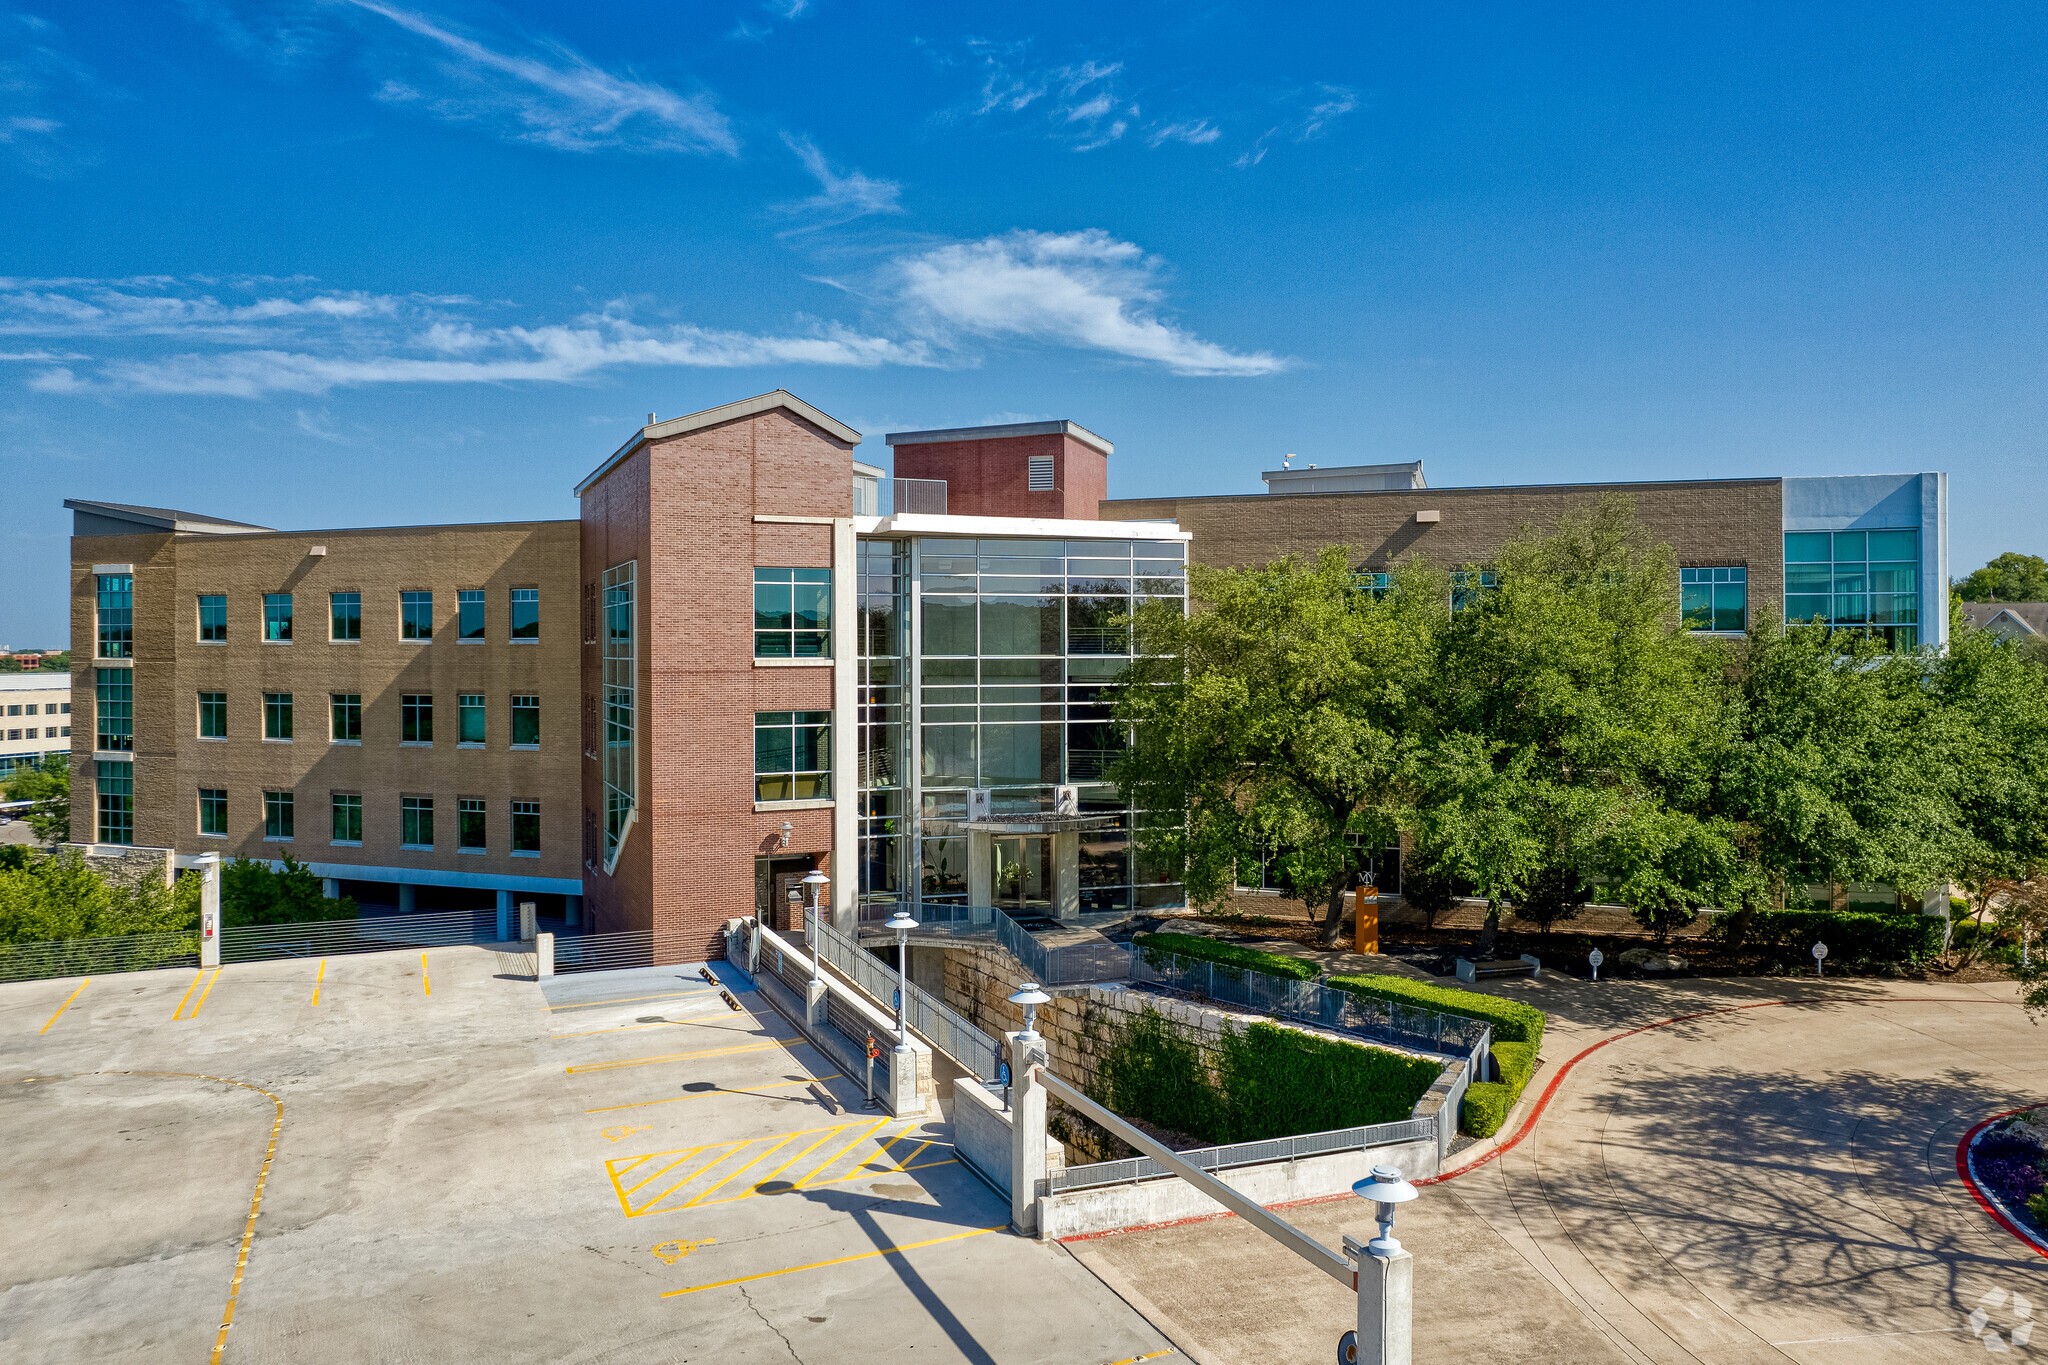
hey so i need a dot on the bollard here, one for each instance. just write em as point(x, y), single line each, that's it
point(1365, 920)
point(1027, 1131)
point(528, 925)
point(209, 910)
point(543, 956)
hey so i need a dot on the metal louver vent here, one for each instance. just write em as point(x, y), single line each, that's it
point(1038, 474)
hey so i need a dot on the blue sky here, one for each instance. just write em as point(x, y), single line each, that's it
point(329, 263)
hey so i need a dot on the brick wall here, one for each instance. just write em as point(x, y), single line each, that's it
point(685, 508)
point(987, 478)
point(1723, 522)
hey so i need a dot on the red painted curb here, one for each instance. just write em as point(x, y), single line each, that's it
point(1976, 1193)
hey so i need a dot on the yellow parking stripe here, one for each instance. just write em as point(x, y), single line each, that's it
point(179, 1012)
point(706, 1094)
point(629, 999)
point(203, 994)
point(837, 1260)
point(318, 979)
point(426, 987)
point(65, 1006)
point(673, 1057)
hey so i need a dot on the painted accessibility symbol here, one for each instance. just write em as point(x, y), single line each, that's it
point(672, 1252)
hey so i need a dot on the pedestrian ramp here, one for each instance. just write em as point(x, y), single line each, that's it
point(668, 990)
point(785, 1163)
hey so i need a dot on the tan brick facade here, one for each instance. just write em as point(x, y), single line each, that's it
point(1722, 522)
point(171, 667)
point(685, 508)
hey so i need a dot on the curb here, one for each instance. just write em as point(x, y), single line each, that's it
point(1990, 1203)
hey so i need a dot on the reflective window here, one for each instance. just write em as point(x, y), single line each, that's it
point(277, 715)
point(347, 810)
point(344, 616)
point(277, 815)
point(526, 613)
point(416, 821)
point(114, 698)
point(114, 801)
point(346, 719)
point(416, 718)
point(115, 604)
point(792, 755)
point(469, 614)
point(1866, 580)
point(277, 618)
point(415, 616)
point(213, 715)
point(213, 618)
point(526, 826)
point(469, 718)
point(1714, 599)
point(525, 719)
point(213, 810)
point(621, 689)
point(469, 823)
point(792, 613)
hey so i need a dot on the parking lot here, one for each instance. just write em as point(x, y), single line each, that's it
point(432, 1156)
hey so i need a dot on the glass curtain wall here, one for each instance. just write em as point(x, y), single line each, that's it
point(621, 679)
point(882, 742)
point(1865, 580)
point(1021, 641)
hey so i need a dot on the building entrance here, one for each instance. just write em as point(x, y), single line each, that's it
point(773, 880)
point(1023, 873)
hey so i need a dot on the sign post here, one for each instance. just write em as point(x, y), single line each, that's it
point(874, 1051)
point(1820, 955)
point(1595, 958)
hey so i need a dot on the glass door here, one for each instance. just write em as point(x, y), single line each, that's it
point(1023, 873)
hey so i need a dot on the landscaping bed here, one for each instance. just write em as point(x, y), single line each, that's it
point(2009, 1161)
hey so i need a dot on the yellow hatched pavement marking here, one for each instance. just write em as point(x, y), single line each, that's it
point(632, 1177)
point(204, 994)
point(179, 1012)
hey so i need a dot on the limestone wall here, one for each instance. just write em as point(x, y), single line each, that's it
point(124, 866)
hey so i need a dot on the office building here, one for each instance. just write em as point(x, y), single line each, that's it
point(35, 719)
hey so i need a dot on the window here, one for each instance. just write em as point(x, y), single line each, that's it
point(64, 707)
point(114, 693)
point(526, 613)
point(213, 810)
point(415, 616)
point(1038, 474)
point(348, 817)
point(1375, 585)
point(344, 616)
point(277, 715)
point(416, 718)
point(416, 821)
point(277, 815)
point(469, 614)
point(277, 618)
point(1469, 586)
point(792, 613)
point(525, 720)
point(469, 718)
point(116, 603)
point(213, 715)
point(469, 825)
point(114, 799)
point(792, 755)
point(1867, 580)
point(620, 697)
point(525, 828)
point(1714, 599)
point(213, 618)
point(345, 725)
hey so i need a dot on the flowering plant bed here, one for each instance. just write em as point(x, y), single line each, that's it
point(2005, 1162)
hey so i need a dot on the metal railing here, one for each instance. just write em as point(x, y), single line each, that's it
point(1066, 965)
point(627, 948)
point(1311, 1002)
point(944, 1028)
point(1243, 1154)
point(97, 956)
point(368, 934)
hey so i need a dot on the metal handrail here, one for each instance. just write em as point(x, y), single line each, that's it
point(1245, 1154)
point(943, 1027)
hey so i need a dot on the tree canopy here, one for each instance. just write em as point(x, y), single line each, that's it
point(2008, 578)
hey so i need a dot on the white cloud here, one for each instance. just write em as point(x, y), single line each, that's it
point(1082, 289)
point(1083, 106)
point(1196, 133)
point(1327, 104)
point(539, 91)
point(43, 92)
point(840, 198)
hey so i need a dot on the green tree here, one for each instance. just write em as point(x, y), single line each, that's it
point(1572, 726)
point(2008, 578)
point(60, 895)
point(1276, 714)
point(252, 892)
point(48, 785)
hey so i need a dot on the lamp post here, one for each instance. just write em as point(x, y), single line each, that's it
point(1386, 1279)
point(1030, 997)
point(902, 923)
point(814, 885)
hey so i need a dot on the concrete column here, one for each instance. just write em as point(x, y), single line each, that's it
point(504, 916)
point(529, 922)
point(405, 898)
point(845, 714)
point(572, 911)
point(1386, 1298)
point(754, 949)
point(543, 956)
point(814, 1006)
point(1066, 874)
point(1027, 1133)
point(981, 868)
point(209, 910)
point(330, 887)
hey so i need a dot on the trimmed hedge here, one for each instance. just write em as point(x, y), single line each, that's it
point(1513, 1021)
point(1852, 937)
point(1517, 1063)
point(1486, 1108)
point(1229, 954)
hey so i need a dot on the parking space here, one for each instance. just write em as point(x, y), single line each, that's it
point(476, 1167)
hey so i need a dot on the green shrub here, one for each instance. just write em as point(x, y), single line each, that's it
point(251, 893)
point(1229, 954)
point(1788, 936)
point(1517, 1062)
point(1486, 1108)
point(1513, 1021)
point(1269, 1081)
point(2038, 1206)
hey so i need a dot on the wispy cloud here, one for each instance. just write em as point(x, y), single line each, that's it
point(1080, 289)
point(1315, 111)
point(1084, 291)
point(1078, 101)
point(840, 197)
point(536, 91)
point(43, 93)
point(1198, 133)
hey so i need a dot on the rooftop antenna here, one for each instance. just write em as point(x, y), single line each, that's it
point(1287, 460)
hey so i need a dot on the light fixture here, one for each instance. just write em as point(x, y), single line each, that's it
point(1385, 1189)
point(902, 923)
point(1030, 997)
point(787, 830)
